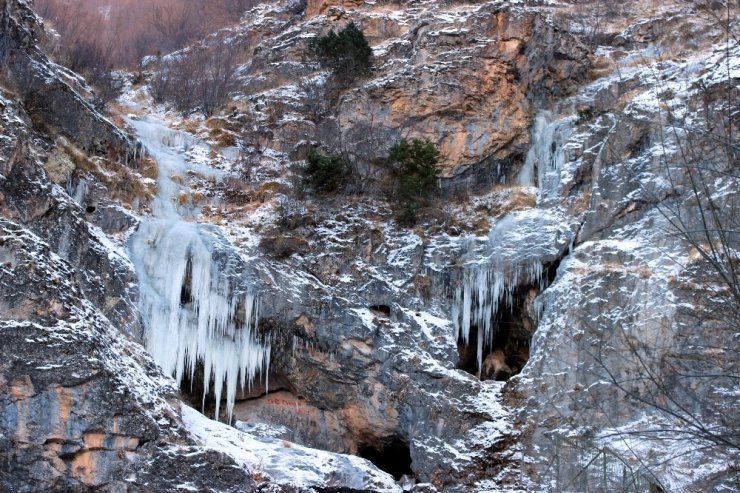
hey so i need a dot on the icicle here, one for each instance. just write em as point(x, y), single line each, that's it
point(78, 191)
point(484, 290)
point(204, 328)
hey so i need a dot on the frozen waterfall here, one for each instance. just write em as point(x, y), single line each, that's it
point(547, 155)
point(520, 245)
point(514, 254)
point(196, 308)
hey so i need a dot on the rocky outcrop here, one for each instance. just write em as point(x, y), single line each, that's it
point(466, 81)
point(29, 198)
point(465, 77)
point(593, 230)
point(47, 97)
point(83, 408)
point(318, 7)
point(82, 405)
point(608, 348)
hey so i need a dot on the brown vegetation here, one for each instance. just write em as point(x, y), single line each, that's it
point(200, 78)
point(96, 36)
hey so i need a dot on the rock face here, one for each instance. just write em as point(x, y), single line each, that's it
point(522, 338)
point(464, 77)
point(465, 80)
point(625, 301)
point(45, 93)
point(83, 407)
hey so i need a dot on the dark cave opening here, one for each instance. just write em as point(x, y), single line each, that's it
point(467, 353)
point(381, 310)
point(393, 457)
point(186, 291)
point(90, 209)
point(512, 327)
point(506, 355)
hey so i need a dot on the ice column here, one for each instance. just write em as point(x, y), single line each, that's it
point(484, 289)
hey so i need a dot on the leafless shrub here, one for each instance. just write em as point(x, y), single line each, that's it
point(315, 103)
point(122, 32)
point(198, 79)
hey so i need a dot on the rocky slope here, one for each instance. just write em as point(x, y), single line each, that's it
point(519, 339)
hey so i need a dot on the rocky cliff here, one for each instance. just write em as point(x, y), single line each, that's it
point(561, 319)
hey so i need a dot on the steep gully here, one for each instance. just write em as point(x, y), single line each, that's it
point(200, 302)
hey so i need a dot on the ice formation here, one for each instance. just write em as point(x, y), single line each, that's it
point(547, 155)
point(499, 266)
point(520, 245)
point(484, 289)
point(194, 307)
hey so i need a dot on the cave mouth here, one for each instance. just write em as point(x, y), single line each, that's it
point(381, 310)
point(508, 350)
point(512, 328)
point(192, 388)
point(393, 457)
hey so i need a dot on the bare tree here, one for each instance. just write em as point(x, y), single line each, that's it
point(687, 371)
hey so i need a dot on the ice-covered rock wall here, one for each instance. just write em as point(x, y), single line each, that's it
point(521, 245)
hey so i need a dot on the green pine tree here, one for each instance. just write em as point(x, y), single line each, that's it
point(415, 164)
point(324, 173)
point(346, 53)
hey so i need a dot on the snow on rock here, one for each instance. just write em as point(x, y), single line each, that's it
point(287, 463)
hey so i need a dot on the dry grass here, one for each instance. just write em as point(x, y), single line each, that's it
point(190, 126)
point(511, 200)
point(116, 111)
point(220, 131)
point(125, 186)
point(214, 123)
point(581, 204)
point(198, 198)
point(183, 197)
point(148, 168)
point(79, 158)
point(482, 226)
point(223, 138)
point(521, 199)
point(267, 191)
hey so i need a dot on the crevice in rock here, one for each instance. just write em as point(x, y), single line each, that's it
point(393, 456)
point(186, 291)
point(467, 358)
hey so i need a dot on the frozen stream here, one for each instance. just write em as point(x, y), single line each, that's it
point(198, 305)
